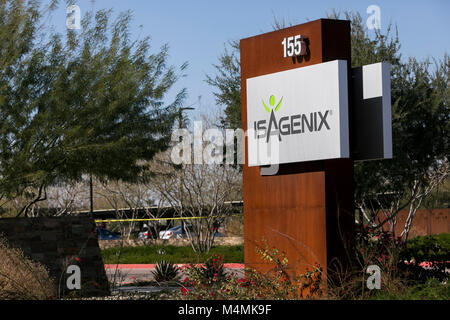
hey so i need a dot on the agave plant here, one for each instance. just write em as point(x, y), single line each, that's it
point(165, 271)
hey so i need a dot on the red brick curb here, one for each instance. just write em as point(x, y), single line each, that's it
point(152, 266)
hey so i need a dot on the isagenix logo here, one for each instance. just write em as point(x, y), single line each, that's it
point(287, 125)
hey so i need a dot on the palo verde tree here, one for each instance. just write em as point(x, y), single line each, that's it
point(91, 102)
point(420, 126)
point(420, 123)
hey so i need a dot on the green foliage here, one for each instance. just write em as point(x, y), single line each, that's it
point(210, 273)
point(375, 247)
point(367, 48)
point(419, 125)
point(426, 257)
point(435, 248)
point(176, 254)
point(401, 276)
point(165, 271)
point(439, 198)
point(278, 283)
point(432, 289)
point(227, 81)
point(91, 102)
point(214, 268)
point(420, 115)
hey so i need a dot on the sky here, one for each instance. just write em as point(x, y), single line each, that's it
point(197, 30)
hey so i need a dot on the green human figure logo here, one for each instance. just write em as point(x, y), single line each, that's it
point(272, 103)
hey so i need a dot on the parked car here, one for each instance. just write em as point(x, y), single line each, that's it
point(147, 233)
point(178, 232)
point(104, 234)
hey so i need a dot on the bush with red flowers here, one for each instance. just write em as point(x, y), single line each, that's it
point(210, 282)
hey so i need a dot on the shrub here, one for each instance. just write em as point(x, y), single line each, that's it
point(22, 278)
point(213, 269)
point(373, 247)
point(432, 289)
point(278, 283)
point(378, 247)
point(402, 269)
point(434, 248)
point(165, 271)
point(431, 252)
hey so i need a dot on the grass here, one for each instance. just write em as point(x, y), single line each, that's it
point(175, 254)
point(430, 290)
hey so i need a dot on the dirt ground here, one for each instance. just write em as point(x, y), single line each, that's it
point(105, 244)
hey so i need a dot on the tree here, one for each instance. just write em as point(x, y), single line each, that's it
point(420, 146)
point(62, 199)
point(139, 198)
point(420, 123)
point(200, 192)
point(204, 197)
point(92, 102)
point(228, 82)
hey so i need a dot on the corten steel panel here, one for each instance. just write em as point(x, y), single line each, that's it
point(439, 221)
point(307, 208)
point(426, 222)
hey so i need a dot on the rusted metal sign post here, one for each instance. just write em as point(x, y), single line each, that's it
point(304, 208)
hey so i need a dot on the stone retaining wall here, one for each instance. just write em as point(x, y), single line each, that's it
point(57, 243)
point(104, 244)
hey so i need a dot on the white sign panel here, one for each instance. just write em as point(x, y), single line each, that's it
point(298, 115)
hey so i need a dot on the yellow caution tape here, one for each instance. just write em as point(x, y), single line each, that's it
point(158, 219)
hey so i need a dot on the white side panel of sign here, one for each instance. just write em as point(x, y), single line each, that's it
point(372, 112)
point(298, 115)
